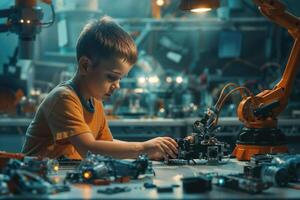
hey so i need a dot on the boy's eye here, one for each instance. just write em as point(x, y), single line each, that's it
point(113, 78)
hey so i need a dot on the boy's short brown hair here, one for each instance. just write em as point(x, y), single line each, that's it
point(105, 39)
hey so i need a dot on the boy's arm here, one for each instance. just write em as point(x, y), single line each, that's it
point(115, 140)
point(156, 148)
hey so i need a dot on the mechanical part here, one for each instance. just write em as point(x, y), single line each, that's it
point(291, 163)
point(239, 182)
point(197, 184)
point(202, 144)
point(29, 177)
point(25, 182)
point(97, 167)
point(40, 166)
point(271, 174)
point(278, 170)
point(114, 190)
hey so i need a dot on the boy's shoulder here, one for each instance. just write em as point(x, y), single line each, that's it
point(62, 90)
point(58, 94)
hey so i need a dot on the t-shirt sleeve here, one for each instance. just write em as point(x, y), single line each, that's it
point(104, 132)
point(66, 118)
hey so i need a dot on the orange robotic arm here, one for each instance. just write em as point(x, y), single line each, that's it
point(259, 113)
point(262, 111)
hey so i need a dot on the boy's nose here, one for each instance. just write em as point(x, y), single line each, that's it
point(115, 86)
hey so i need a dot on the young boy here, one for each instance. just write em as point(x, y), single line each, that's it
point(71, 120)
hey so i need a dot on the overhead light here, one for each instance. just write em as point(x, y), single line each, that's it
point(153, 79)
point(199, 6)
point(179, 79)
point(169, 79)
point(160, 2)
point(142, 80)
point(200, 10)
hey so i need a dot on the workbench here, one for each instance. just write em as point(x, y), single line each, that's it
point(167, 175)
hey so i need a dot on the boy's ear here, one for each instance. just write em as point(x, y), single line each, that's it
point(84, 64)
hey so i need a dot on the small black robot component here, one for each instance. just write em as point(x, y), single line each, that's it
point(202, 144)
point(242, 183)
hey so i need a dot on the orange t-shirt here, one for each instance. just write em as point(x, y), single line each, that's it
point(60, 116)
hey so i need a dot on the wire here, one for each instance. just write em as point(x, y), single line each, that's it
point(223, 98)
point(234, 90)
point(222, 93)
point(51, 22)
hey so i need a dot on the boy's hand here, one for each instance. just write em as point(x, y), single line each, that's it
point(160, 148)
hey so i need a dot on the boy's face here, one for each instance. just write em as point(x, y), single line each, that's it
point(102, 80)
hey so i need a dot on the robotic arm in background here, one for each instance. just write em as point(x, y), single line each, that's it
point(262, 111)
point(259, 113)
point(24, 19)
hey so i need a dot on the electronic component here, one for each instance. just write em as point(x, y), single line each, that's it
point(40, 166)
point(95, 167)
point(240, 182)
point(30, 177)
point(148, 185)
point(114, 190)
point(268, 173)
point(197, 184)
point(202, 144)
point(162, 189)
point(278, 170)
point(25, 182)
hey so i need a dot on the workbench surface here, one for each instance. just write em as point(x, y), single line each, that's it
point(167, 175)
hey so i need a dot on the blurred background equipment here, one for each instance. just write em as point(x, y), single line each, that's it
point(25, 19)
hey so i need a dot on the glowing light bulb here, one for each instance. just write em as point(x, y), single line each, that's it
point(87, 175)
point(56, 168)
point(179, 79)
point(142, 80)
point(153, 79)
point(169, 79)
point(200, 10)
point(160, 2)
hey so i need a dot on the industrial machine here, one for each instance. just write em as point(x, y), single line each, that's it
point(259, 113)
point(25, 20)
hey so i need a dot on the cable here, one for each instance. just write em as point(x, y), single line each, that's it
point(222, 92)
point(223, 98)
point(234, 90)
